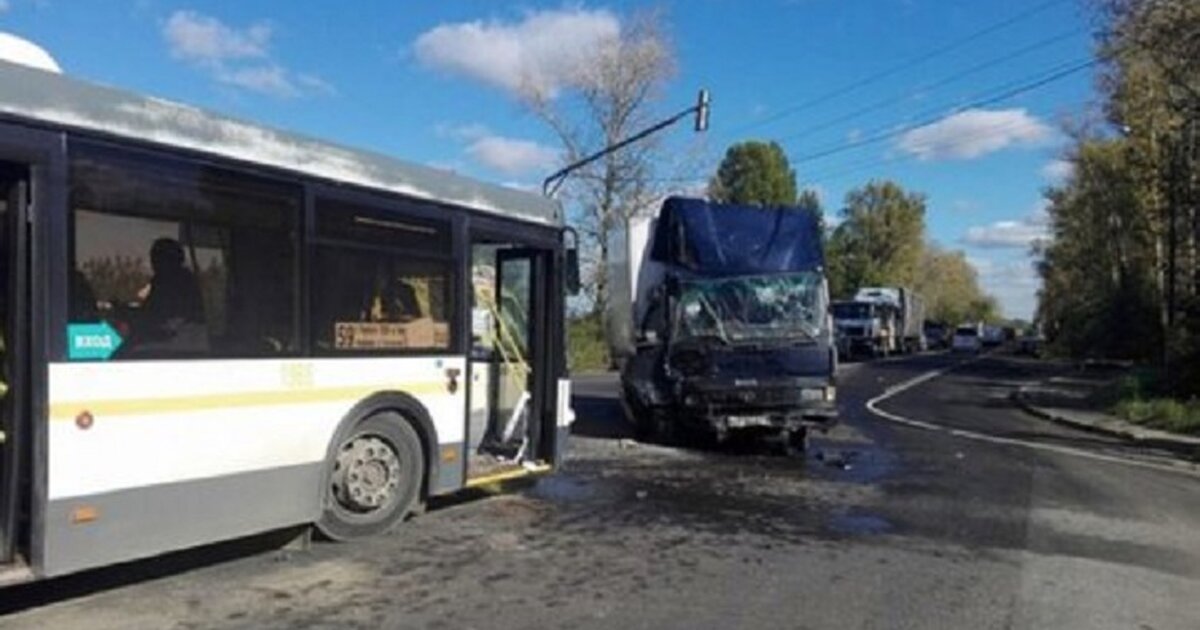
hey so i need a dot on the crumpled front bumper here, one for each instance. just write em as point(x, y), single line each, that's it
point(789, 404)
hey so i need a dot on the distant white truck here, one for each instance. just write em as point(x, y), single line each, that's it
point(882, 321)
point(863, 328)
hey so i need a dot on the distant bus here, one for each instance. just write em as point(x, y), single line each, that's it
point(213, 329)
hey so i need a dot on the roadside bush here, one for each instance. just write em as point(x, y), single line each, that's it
point(587, 350)
point(1162, 413)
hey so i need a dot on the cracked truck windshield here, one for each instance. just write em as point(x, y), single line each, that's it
point(752, 309)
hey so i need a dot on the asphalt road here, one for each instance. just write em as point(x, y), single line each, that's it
point(952, 509)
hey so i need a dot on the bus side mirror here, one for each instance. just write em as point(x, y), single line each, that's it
point(572, 271)
point(571, 261)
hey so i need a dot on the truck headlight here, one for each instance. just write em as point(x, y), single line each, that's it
point(818, 394)
point(812, 394)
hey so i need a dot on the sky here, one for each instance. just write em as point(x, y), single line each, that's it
point(962, 100)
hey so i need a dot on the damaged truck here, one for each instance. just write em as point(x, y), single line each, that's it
point(719, 318)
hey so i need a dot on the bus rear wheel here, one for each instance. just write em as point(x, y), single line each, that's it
point(374, 478)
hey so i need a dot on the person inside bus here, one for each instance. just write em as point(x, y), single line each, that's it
point(82, 306)
point(391, 300)
point(171, 317)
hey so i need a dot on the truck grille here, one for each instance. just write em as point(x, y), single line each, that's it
point(747, 397)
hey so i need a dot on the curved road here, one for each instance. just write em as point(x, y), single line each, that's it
point(1013, 523)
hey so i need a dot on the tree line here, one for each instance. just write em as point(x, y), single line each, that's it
point(880, 238)
point(1121, 269)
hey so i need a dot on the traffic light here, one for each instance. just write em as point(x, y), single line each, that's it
point(702, 111)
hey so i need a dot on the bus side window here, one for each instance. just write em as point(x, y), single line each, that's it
point(182, 259)
point(386, 281)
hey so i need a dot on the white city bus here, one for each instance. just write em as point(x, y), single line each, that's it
point(213, 329)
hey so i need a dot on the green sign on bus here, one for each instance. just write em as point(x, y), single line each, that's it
point(94, 341)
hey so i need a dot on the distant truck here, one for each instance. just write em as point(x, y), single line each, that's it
point(881, 321)
point(863, 328)
point(719, 316)
point(937, 335)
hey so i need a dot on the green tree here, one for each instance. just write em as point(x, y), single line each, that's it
point(950, 287)
point(880, 240)
point(1121, 275)
point(1098, 295)
point(755, 173)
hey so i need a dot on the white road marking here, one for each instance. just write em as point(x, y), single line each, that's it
point(873, 407)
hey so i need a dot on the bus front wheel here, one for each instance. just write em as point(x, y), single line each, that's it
point(374, 478)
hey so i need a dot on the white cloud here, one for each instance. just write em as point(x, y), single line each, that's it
point(470, 131)
point(1058, 170)
point(239, 57)
point(271, 79)
point(1012, 234)
point(522, 186)
point(314, 83)
point(1041, 213)
point(205, 39)
point(512, 156)
point(22, 51)
point(1014, 283)
point(1006, 234)
point(973, 133)
point(541, 51)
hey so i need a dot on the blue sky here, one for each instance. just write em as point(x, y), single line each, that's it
point(433, 82)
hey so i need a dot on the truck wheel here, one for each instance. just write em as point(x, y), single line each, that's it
point(666, 430)
point(374, 478)
point(644, 427)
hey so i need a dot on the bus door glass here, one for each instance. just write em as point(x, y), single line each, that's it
point(14, 199)
point(508, 320)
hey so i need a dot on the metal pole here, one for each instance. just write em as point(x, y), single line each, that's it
point(552, 183)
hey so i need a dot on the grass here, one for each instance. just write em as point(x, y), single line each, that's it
point(587, 350)
point(1166, 414)
point(1141, 399)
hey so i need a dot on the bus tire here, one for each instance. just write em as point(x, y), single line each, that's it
point(374, 478)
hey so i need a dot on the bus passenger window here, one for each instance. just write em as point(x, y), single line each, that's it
point(405, 304)
point(181, 259)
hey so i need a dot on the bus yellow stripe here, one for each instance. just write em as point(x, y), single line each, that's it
point(508, 475)
point(67, 410)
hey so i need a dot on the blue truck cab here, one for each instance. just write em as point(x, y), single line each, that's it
point(730, 329)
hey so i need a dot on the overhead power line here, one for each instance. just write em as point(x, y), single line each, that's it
point(952, 78)
point(889, 71)
point(983, 102)
point(861, 165)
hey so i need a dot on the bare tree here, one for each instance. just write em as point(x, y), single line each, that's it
point(610, 95)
